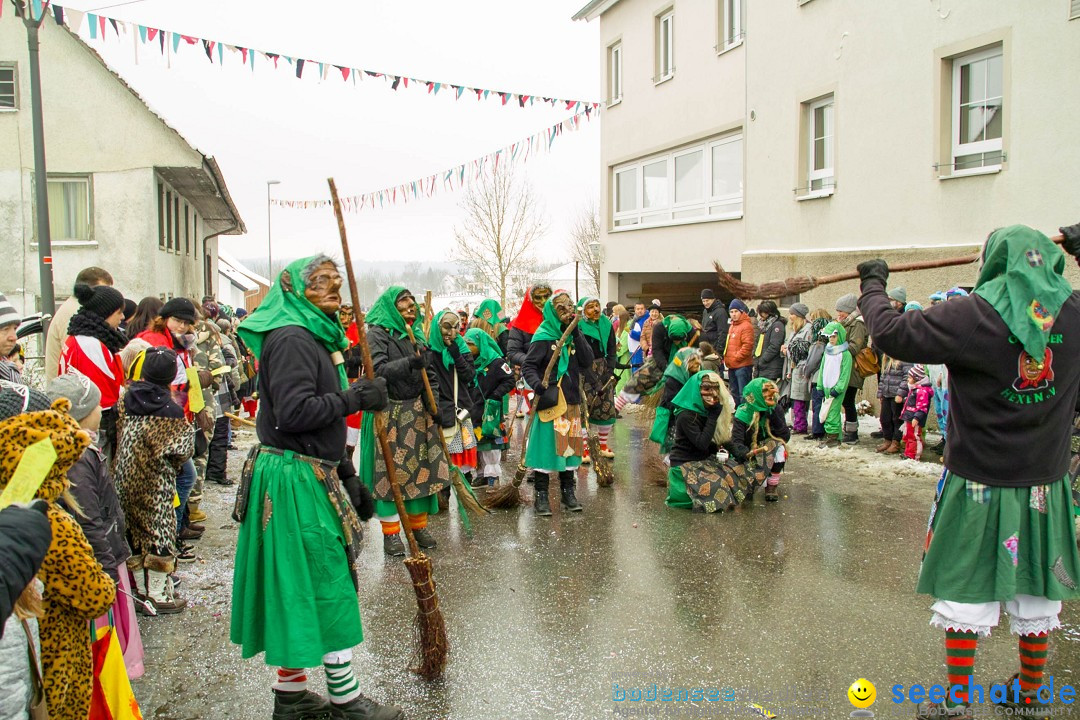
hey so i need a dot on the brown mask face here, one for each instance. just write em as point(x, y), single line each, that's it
point(592, 310)
point(323, 289)
point(770, 394)
point(693, 364)
point(406, 305)
point(710, 393)
point(539, 296)
point(564, 308)
point(448, 327)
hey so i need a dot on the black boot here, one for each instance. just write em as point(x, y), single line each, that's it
point(477, 482)
point(303, 705)
point(393, 546)
point(851, 433)
point(566, 485)
point(364, 708)
point(540, 494)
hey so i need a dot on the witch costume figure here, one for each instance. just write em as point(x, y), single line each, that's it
point(761, 429)
point(599, 386)
point(300, 503)
point(411, 428)
point(1001, 529)
point(452, 365)
point(684, 364)
point(555, 443)
point(668, 336)
point(494, 381)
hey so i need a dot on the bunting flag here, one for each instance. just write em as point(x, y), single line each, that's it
point(144, 35)
point(454, 178)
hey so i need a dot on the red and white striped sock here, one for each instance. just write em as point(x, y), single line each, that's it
point(603, 431)
point(291, 680)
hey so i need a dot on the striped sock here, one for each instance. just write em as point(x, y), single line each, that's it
point(603, 431)
point(390, 525)
point(418, 521)
point(959, 661)
point(291, 680)
point(620, 402)
point(341, 684)
point(1032, 660)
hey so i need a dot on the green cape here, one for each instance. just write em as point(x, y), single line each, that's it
point(489, 349)
point(490, 311)
point(599, 330)
point(1021, 277)
point(689, 398)
point(384, 312)
point(677, 367)
point(551, 330)
point(435, 339)
point(754, 402)
point(281, 309)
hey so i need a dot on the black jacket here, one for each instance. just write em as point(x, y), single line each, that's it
point(672, 386)
point(607, 353)
point(517, 346)
point(391, 357)
point(714, 325)
point(25, 535)
point(661, 346)
point(536, 361)
point(770, 364)
point(739, 445)
point(102, 519)
point(694, 436)
point(492, 383)
point(1010, 424)
point(463, 368)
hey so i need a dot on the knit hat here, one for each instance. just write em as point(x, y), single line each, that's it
point(77, 388)
point(847, 303)
point(938, 296)
point(916, 373)
point(955, 292)
point(8, 314)
point(655, 304)
point(180, 308)
point(913, 306)
point(898, 294)
point(102, 300)
point(241, 312)
point(159, 366)
point(17, 399)
point(708, 294)
point(799, 309)
point(211, 309)
point(739, 305)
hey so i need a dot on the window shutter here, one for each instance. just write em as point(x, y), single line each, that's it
point(1074, 9)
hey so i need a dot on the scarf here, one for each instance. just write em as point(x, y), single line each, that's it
point(689, 398)
point(284, 309)
point(528, 317)
point(677, 367)
point(90, 324)
point(384, 313)
point(753, 405)
point(489, 349)
point(1021, 277)
point(491, 312)
point(551, 330)
point(435, 339)
point(832, 363)
point(600, 329)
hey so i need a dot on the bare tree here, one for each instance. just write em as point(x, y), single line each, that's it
point(584, 234)
point(502, 222)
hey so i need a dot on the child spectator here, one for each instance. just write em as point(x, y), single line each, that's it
point(916, 406)
point(832, 381)
point(710, 361)
point(810, 370)
point(892, 389)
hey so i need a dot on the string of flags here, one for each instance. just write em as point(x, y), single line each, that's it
point(169, 43)
point(454, 178)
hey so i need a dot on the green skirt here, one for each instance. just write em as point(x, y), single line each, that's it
point(407, 459)
point(557, 445)
point(676, 490)
point(988, 544)
point(293, 596)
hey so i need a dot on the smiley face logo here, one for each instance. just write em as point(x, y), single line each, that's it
point(862, 693)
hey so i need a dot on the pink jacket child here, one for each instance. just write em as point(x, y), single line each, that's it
point(916, 406)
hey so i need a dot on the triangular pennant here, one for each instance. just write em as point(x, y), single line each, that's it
point(92, 23)
point(393, 85)
point(115, 27)
point(345, 72)
point(299, 67)
point(142, 33)
point(58, 14)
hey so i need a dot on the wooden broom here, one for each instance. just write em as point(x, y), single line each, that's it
point(430, 655)
point(605, 476)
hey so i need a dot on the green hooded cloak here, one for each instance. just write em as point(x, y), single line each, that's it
point(677, 367)
point(551, 330)
point(435, 339)
point(489, 349)
point(600, 330)
point(491, 312)
point(689, 398)
point(1021, 277)
point(678, 328)
point(753, 396)
point(282, 309)
point(384, 312)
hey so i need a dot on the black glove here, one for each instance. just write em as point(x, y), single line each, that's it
point(714, 410)
point(416, 362)
point(454, 350)
point(1072, 240)
point(371, 393)
point(360, 497)
point(874, 269)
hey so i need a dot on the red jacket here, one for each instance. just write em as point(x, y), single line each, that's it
point(183, 361)
point(739, 349)
point(100, 365)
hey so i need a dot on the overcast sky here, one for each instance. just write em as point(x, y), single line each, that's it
point(269, 125)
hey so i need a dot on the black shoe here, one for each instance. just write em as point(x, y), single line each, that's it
point(566, 486)
point(851, 438)
point(222, 481)
point(303, 705)
point(540, 503)
point(425, 539)
point(364, 708)
point(392, 546)
point(478, 482)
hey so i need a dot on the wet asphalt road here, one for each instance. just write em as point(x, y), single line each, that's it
point(783, 605)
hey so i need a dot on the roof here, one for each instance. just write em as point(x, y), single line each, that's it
point(594, 9)
point(204, 187)
point(241, 269)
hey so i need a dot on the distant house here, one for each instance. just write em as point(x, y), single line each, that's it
point(238, 286)
point(126, 191)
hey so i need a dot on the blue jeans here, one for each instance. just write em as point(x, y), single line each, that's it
point(816, 397)
point(185, 480)
point(738, 378)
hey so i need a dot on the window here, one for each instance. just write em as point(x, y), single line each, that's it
point(176, 224)
point(1074, 9)
point(187, 229)
point(977, 104)
point(166, 210)
point(161, 216)
point(615, 74)
point(820, 145)
point(665, 46)
point(69, 208)
point(692, 184)
point(9, 85)
point(731, 24)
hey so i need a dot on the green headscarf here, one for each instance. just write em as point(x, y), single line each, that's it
point(601, 329)
point(491, 312)
point(1021, 277)
point(282, 309)
point(435, 339)
point(753, 402)
point(677, 367)
point(678, 328)
point(689, 398)
point(550, 330)
point(489, 349)
point(384, 312)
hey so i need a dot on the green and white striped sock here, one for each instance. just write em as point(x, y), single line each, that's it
point(340, 681)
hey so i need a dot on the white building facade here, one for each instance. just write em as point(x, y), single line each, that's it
point(802, 136)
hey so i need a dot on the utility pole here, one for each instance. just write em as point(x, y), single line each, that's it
point(41, 184)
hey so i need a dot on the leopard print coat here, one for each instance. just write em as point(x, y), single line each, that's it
point(149, 454)
point(77, 590)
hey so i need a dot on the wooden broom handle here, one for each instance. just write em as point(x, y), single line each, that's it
point(369, 372)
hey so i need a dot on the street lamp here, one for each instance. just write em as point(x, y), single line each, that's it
point(269, 245)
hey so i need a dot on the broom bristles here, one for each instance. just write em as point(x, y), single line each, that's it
point(430, 625)
point(765, 291)
point(504, 497)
